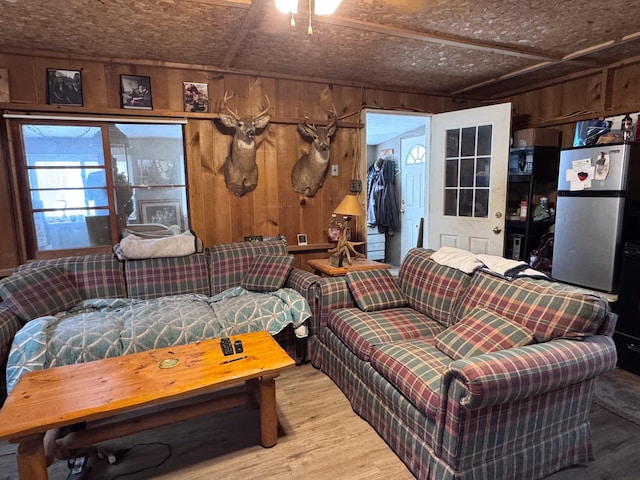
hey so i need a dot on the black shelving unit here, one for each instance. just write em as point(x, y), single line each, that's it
point(533, 173)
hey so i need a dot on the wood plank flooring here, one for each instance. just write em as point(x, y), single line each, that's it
point(320, 438)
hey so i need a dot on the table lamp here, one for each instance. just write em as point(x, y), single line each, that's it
point(347, 208)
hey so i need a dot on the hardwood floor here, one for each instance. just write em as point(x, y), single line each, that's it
point(320, 438)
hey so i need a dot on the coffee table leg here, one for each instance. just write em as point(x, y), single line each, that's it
point(268, 413)
point(32, 464)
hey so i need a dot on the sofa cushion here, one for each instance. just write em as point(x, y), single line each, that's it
point(228, 262)
point(160, 277)
point(361, 331)
point(415, 368)
point(482, 331)
point(267, 273)
point(549, 309)
point(95, 276)
point(431, 288)
point(375, 290)
point(38, 292)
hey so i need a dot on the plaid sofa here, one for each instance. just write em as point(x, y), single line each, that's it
point(467, 376)
point(217, 268)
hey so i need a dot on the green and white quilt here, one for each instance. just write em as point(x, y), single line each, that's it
point(101, 328)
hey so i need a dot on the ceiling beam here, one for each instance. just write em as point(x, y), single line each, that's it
point(570, 57)
point(435, 38)
point(253, 14)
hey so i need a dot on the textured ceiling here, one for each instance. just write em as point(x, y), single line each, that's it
point(473, 48)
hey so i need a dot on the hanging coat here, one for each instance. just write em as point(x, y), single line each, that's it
point(387, 211)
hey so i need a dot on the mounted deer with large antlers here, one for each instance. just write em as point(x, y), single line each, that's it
point(240, 168)
point(310, 170)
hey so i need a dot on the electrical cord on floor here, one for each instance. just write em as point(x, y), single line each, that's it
point(169, 453)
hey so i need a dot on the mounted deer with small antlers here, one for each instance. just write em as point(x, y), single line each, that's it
point(240, 168)
point(310, 170)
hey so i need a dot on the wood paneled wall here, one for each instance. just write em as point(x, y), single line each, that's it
point(216, 215)
point(273, 208)
point(599, 95)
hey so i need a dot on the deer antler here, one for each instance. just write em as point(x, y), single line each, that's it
point(265, 110)
point(224, 106)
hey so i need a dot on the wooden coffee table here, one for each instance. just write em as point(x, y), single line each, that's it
point(102, 390)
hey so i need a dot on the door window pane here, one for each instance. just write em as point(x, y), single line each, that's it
point(468, 172)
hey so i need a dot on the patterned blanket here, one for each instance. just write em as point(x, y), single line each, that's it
point(101, 328)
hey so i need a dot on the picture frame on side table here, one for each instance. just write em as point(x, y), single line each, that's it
point(135, 92)
point(64, 87)
point(166, 213)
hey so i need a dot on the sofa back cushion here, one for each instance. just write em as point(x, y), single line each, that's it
point(228, 262)
point(160, 277)
point(482, 331)
point(375, 290)
point(94, 276)
point(549, 309)
point(267, 273)
point(37, 292)
point(431, 288)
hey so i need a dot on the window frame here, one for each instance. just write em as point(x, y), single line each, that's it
point(23, 191)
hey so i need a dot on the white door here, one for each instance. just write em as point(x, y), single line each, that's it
point(468, 179)
point(413, 158)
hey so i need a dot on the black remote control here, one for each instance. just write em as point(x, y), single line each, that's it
point(238, 346)
point(225, 345)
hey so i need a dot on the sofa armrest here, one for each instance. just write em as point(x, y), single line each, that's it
point(304, 282)
point(333, 293)
point(518, 373)
point(9, 326)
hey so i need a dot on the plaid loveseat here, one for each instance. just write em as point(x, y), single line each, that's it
point(467, 376)
point(216, 269)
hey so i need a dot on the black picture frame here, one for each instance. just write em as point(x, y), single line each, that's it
point(135, 92)
point(64, 87)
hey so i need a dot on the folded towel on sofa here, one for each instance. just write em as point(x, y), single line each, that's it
point(507, 268)
point(135, 247)
point(457, 258)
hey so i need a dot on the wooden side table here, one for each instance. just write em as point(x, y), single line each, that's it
point(322, 267)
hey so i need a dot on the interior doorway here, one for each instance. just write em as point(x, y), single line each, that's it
point(402, 139)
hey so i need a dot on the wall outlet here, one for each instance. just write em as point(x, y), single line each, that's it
point(355, 186)
point(334, 170)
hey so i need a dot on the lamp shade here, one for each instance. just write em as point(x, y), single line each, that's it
point(349, 206)
point(325, 7)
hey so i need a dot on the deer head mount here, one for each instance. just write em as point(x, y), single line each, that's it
point(240, 169)
point(310, 170)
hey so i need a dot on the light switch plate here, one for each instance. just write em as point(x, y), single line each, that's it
point(355, 186)
point(334, 170)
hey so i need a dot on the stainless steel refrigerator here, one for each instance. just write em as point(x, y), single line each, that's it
point(597, 212)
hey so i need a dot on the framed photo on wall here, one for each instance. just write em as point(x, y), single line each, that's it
point(64, 87)
point(302, 239)
point(135, 92)
point(165, 213)
point(196, 97)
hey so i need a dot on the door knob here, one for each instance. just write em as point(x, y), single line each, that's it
point(497, 230)
point(498, 214)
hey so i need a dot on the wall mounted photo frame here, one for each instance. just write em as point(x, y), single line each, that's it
point(135, 92)
point(64, 87)
point(196, 97)
point(165, 213)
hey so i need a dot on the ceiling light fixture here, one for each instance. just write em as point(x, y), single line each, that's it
point(321, 7)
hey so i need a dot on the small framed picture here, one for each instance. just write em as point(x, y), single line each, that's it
point(196, 97)
point(302, 239)
point(135, 92)
point(64, 87)
point(165, 213)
